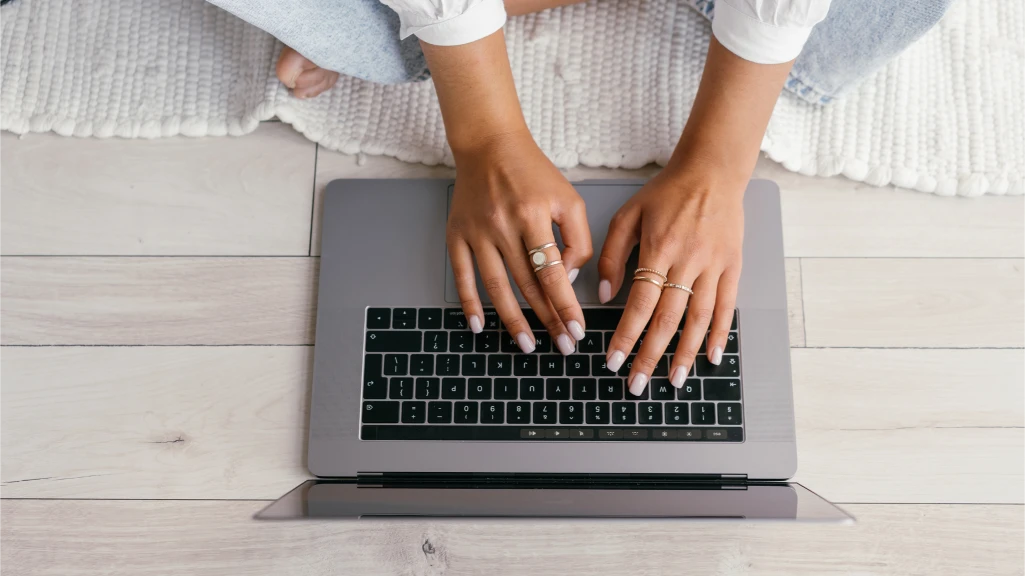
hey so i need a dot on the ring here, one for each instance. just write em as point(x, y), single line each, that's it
point(648, 279)
point(680, 287)
point(540, 267)
point(538, 256)
point(656, 272)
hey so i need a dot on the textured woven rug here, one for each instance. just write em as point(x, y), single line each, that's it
point(601, 83)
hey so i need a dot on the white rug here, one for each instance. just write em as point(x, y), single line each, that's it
point(606, 83)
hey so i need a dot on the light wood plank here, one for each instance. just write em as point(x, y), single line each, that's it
point(207, 196)
point(795, 302)
point(89, 422)
point(914, 302)
point(158, 300)
point(153, 537)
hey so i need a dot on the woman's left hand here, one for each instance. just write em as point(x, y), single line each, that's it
point(689, 221)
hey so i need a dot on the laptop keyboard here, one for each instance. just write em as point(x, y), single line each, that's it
point(427, 377)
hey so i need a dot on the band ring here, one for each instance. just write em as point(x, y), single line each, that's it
point(540, 267)
point(541, 247)
point(655, 272)
point(680, 287)
point(537, 256)
point(648, 279)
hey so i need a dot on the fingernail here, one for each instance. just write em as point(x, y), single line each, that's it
point(475, 325)
point(566, 345)
point(638, 383)
point(526, 342)
point(615, 362)
point(573, 275)
point(575, 329)
point(604, 291)
point(716, 356)
point(679, 376)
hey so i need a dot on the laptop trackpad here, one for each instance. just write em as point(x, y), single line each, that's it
point(603, 200)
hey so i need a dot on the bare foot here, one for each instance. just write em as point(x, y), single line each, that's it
point(305, 78)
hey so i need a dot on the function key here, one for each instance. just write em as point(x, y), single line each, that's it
point(491, 319)
point(455, 319)
point(591, 344)
point(378, 318)
point(689, 434)
point(602, 318)
point(716, 434)
point(635, 434)
point(532, 433)
point(722, 389)
point(429, 318)
point(663, 434)
point(610, 434)
point(581, 433)
point(404, 318)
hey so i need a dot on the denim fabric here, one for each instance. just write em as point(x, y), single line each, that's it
point(361, 38)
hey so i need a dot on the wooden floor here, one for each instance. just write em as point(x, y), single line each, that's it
point(158, 305)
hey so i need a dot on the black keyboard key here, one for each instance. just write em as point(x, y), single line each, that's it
point(380, 412)
point(624, 370)
point(421, 365)
point(455, 319)
point(439, 412)
point(453, 388)
point(602, 318)
point(396, 364)
point(532, 320)
point(480, 389)
point(691, 390)
point(517, 412)
point(662, 368)
point(509, 344)
point(447, 365)
point(608, 340)
point(728, 368)
point(403, 318)
point(373, 382)
point(466, 413)
point(598, 367)
point(414, 412)
point(649, 413)
point(393, 341)
point(597, 412)
point(731, 343)
point(585, 389)
point(639, 342)
point(429, 319)
point(676, 413)
point(571, 413)
point(722, 389)
point(461, 342)
point(624, 413)
point(378, 318)
point(474, 365)
point(500, 365)
point(557, 389)
point(702, 413)
point(486, 342)
point(428, 388)
point(436, 341)
point(542, 342)
point(662, 389)
point(532, 388)
point(491, 319)
point(506, 388)
point(400, 388)
point(578, 365)
point(492, 413)
point(551, 365)
point(729, 413)
point(545, 412)
point(610, 388)
point(643, 395)
point(525, 365)
point(591, 344)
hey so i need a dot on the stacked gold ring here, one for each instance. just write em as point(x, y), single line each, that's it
point(639, 275)
point(653, 271)
point(680, 287)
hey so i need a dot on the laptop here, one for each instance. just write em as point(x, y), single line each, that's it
point(412, 415)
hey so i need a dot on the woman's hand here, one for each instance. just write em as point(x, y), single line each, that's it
point(507, 195)
point(690, 224)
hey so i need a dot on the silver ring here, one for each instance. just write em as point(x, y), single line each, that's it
point(542, 247)
point(538, 257)
point(680, 287)
point(547, 265)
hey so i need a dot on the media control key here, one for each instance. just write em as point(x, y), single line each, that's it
point(532, 433)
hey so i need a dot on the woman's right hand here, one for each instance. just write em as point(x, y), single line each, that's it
point(507, 195)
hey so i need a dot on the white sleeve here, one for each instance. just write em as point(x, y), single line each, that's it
point(766, 31)
point(448, 22)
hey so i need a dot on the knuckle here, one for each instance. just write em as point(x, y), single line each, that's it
point(516, 325)
point(553, 325)
point(531, 290)
point(645, 364)
point(687, 351)
point(568, 311)
point(642, 303)
point(701, 314)
point(550, 277)
point(666, 321)
point(618, 221)
point(493, 284)
point(468, 304)
point(526, 214)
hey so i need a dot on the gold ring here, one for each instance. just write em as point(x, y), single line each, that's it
point(538, 257)
point(647, 279)
point(680, 287)
point(656, 272)
point(547, 265)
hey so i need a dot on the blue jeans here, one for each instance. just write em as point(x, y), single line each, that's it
point(361, 38)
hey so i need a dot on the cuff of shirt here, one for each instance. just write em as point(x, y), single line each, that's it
point(480, 20)
point(756, 41)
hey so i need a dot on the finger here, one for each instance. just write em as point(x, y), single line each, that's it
point(644, 297)
point(665, 323)
point(534, 292)
point(496, 282)
point(722, 316)
point(699, 313)
point(466, 283)
point(554, 280)
point(621, 239)
point(576, 236)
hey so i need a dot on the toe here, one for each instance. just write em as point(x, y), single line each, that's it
point(291, 65)
point(314, 82)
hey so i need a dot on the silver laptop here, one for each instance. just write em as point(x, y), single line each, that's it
point(413, 415)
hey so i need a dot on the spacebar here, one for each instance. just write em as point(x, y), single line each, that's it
point(407, 432)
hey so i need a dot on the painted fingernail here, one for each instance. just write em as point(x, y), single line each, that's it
point(573, 275)
point(615, 362)
point(575, 329)
point(526, 342)
point(679, 375)
point(638, 383)
point(604, 291)
point(716, 356)
point(566, 345)
point(475, 325)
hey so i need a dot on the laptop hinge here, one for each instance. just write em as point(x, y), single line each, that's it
point(542, 480)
